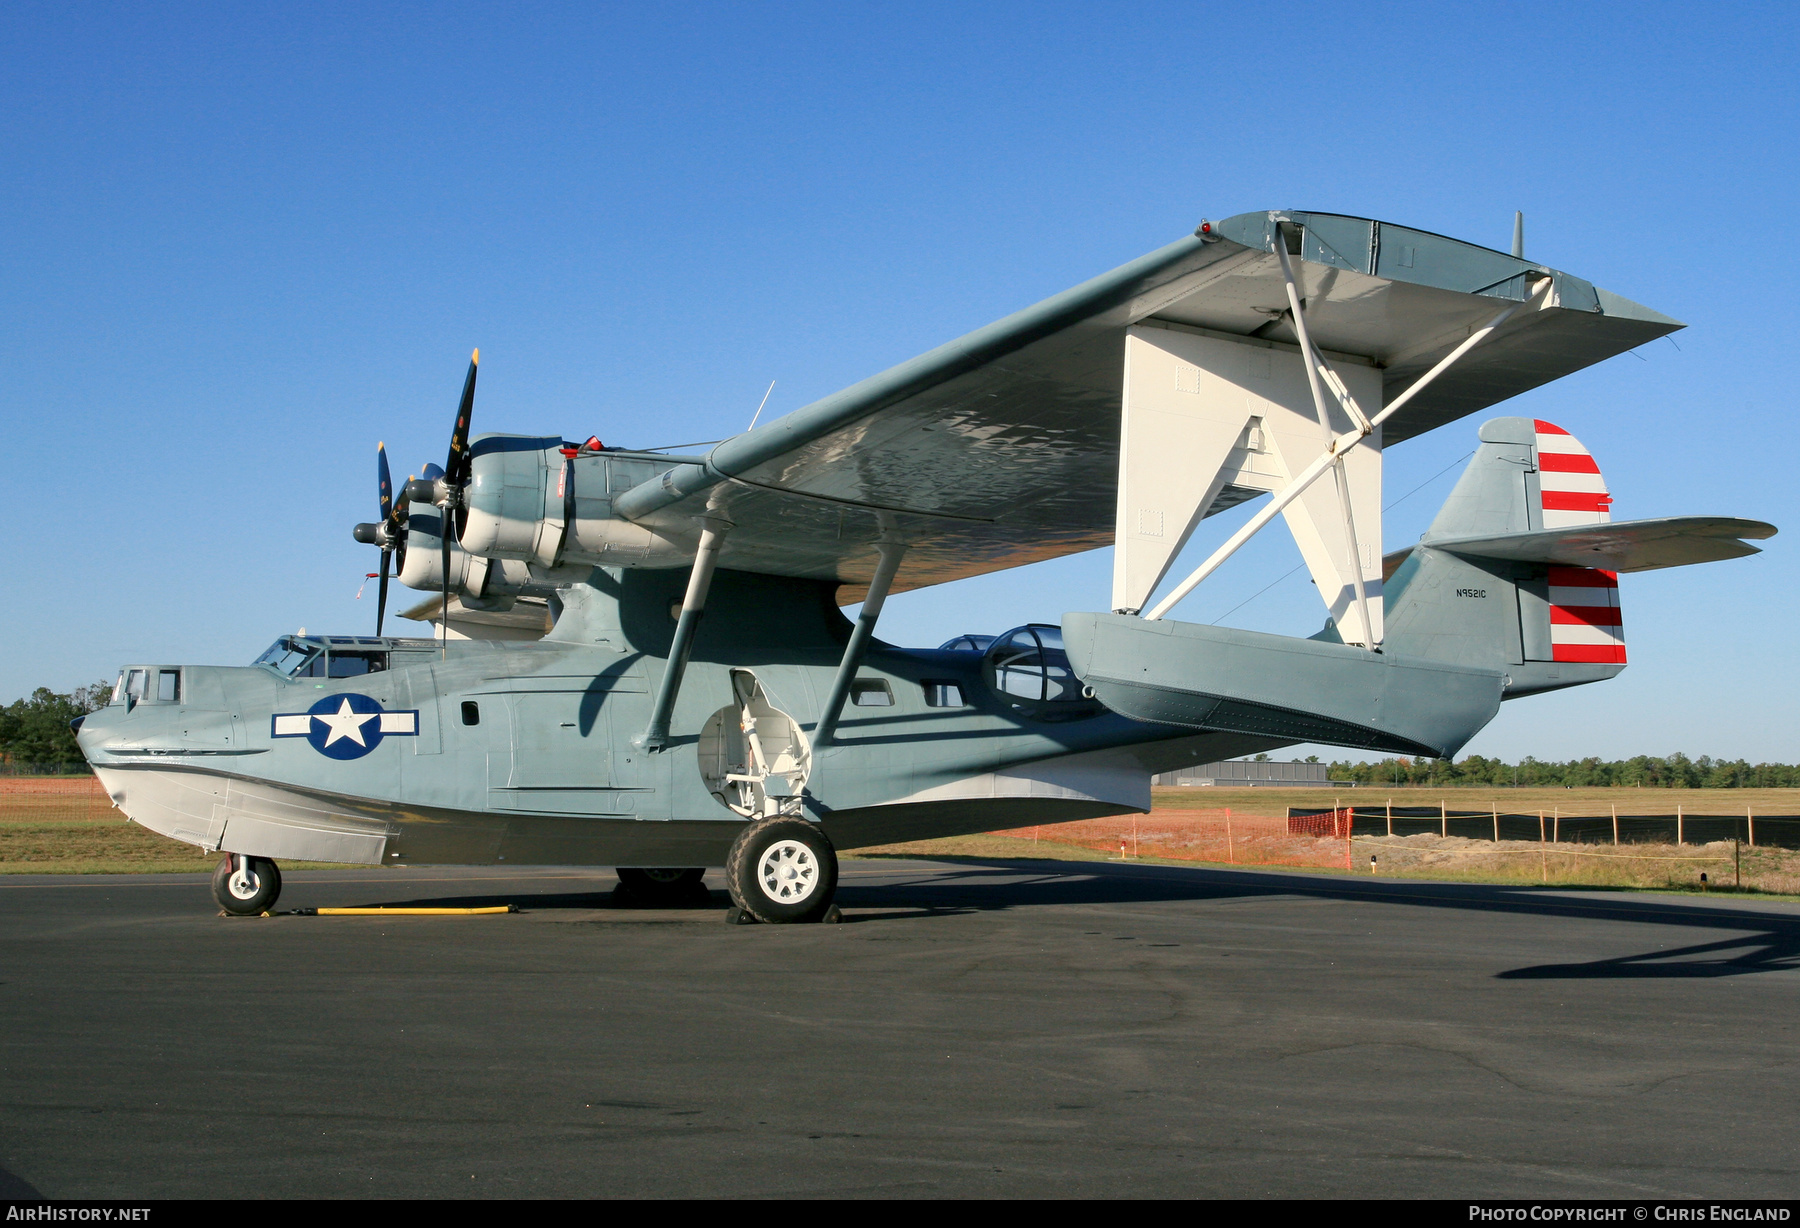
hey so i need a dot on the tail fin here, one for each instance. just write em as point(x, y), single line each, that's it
point(1527, 475)
point(1520, 569)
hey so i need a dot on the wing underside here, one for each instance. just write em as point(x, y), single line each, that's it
point(1002, 448)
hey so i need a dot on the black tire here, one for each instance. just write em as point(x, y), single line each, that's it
point(264, 884)
point(795, 884)
point(658, 885)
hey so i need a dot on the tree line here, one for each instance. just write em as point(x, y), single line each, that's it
point(1675, 771)
point(35, 733)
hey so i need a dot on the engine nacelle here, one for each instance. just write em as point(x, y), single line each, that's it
point(475, 580)
point(529, 502)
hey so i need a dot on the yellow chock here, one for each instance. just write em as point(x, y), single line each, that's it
point(409, 912)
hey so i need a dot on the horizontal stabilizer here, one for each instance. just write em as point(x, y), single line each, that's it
point(1631, 545)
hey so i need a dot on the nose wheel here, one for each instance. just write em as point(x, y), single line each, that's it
point(782, 870)
point(245, 886)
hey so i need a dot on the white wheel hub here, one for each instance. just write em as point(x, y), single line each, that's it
point(788, 872)
point(244, 884)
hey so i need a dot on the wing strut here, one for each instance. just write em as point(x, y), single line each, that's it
point(1315, 367)
point(712, 536)
point(1336, 450)
point(891, 554)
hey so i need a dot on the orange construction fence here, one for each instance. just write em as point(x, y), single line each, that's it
point(1320, 840)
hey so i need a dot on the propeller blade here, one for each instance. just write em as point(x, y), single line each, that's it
point(444, 614)
point(456, 468)
point(381, 598)
point(384, 482)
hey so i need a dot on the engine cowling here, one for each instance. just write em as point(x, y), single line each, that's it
point(528, 502)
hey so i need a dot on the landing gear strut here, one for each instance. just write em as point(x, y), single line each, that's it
point(245, 886)
point(783, 870)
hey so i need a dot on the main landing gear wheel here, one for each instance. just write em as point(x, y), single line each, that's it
point(782, 870)
point(245, 886)
point(657, 886)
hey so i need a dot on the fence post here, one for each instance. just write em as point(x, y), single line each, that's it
point(1751, 815)
point(1556, 825)
point(1540, 827)
point(1348, 815)
point(1390, 816)
point(1443, 819)
point(1230, 849)
point(1679, 841)
point(1496, 823)
point(1737, 863)
point(1615, 811)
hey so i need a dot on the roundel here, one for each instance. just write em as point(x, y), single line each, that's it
point(345, 726)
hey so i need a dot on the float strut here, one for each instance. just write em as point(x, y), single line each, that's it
point(712, 535)
point(891, 554)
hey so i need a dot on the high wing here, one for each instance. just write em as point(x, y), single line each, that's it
point(1001, 448)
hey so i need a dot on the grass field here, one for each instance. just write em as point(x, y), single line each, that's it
point(66, 825)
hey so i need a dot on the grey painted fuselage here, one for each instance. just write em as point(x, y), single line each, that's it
point(523, 753)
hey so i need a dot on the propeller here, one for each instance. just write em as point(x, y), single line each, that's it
point(389, 532)
point(444, 490)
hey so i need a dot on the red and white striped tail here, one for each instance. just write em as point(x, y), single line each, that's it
point(1584, 612)
point(1574, 493)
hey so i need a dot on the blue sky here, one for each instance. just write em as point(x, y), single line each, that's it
point(239, 244)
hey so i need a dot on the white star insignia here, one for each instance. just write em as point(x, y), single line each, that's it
point(346, 724)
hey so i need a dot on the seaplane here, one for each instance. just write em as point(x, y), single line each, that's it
point(641, 659)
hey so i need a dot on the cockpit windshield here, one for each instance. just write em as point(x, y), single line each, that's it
point(289, 656)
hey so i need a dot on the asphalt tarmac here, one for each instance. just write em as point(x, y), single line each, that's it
point(1003, 1029)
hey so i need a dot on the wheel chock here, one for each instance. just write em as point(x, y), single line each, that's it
point(496, 910)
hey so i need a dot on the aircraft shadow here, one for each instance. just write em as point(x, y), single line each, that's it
point(1761, 940)
point(1772, 943)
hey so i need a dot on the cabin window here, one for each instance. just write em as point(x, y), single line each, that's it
point(137, 684)
point(871, 693)
point(168, 686)
point(943, 694)
point(471, 712)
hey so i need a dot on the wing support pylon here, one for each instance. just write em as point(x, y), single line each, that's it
point(1247, 430)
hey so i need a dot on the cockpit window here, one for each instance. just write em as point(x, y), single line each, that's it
point(290, 657)
point(967, 643)
point(355, 664)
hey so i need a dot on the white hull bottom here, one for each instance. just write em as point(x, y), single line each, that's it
point(245, 816)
